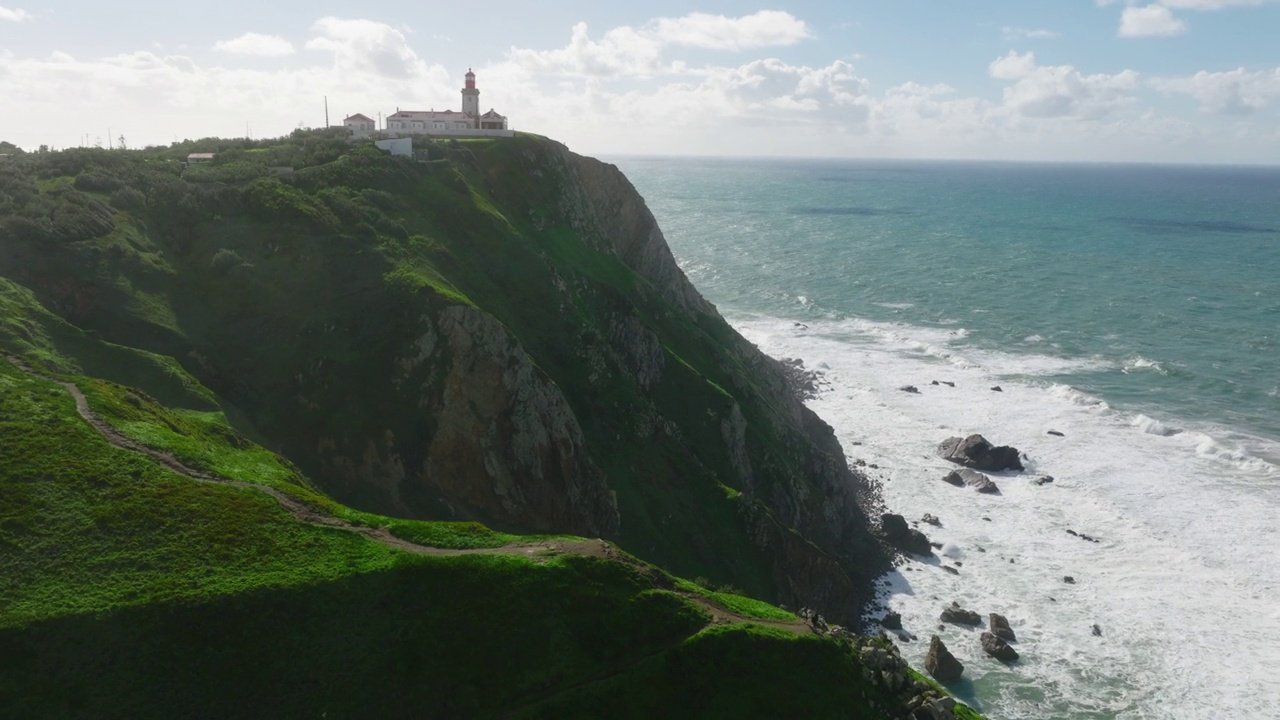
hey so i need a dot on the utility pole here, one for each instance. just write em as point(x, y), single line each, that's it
point(109, 145)
point(326, 111)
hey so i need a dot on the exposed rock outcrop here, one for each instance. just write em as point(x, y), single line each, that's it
point(940, 663)
point(998, 648)
point(977, 453)
point(959, 616)
point(897, 533)
point(507, 445)
point(999, 626)
point(973, 479)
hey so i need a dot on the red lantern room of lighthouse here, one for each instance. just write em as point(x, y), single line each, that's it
point(471, 100)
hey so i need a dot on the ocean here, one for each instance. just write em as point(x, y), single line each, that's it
point(1133, 309)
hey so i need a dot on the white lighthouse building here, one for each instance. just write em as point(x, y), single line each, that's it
point(467, 122)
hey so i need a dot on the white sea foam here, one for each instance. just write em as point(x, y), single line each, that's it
point(1181, 581)
point(1138, 363)
point(1151, 426)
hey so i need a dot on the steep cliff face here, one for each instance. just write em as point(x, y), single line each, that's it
point(500, 334)
point(507, 446)
point(822, 495)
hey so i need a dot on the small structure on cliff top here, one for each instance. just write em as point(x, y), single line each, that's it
point(467, 122)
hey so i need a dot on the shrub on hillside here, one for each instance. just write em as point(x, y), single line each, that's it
point(225, 259)
point(127, 198)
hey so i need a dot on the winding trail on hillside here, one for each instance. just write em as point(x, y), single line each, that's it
point(309, 515)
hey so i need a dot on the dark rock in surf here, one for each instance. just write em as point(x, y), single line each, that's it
point(959, 616)
point(977, 453)
point(998, 648)
point(940, 663)
point(930, 519)
point(997, 388)
point(891, 621)
point(1068, 580)
point(951, 570)
point(999, 626)
point(910, 389)
point(1045, 480)
point(972, 478)
point(1097, 631)
point(897, 533)
point(1055, 432)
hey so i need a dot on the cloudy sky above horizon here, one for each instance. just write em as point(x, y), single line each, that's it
point(1091, 80)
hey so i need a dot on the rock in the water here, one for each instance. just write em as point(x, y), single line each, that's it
point(997, 648)
point(975, 452)
point(948, 383)
point(1043, 480)
point(1055, 432)
point(910, 389)
point(1068, 580)
point(940, 663)
point(959, 616)
point(951, 570)
point(891, 621)
point(997, 388)
point(999, 625)
point(1097, 631)
point(897, 533)
point(893, 525)
point(929, 519)
point(972, 478)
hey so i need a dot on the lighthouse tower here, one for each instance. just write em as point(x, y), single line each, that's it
point(471, 100)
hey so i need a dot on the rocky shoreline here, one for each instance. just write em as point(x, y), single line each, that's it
point(994, 633)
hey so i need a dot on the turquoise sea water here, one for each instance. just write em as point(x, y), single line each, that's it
point(1134, 308)
point(1178, 266)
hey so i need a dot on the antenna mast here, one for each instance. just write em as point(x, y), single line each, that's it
point(326, 111)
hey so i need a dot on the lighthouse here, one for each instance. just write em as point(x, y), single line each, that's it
point(471, 100)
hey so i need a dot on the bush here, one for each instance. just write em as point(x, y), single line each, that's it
point(97, 181)
point(130, 199)
point(225, 260)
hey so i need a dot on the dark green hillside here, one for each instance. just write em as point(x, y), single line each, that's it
point(496, 334)
point(311, 431)
point(131, 589)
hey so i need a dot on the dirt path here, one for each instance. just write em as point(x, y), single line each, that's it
point(305, 513)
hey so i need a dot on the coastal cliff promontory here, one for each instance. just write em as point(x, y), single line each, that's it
point(496, 332)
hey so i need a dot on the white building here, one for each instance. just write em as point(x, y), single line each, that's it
point(400, 147)
point(465, 122)
point(360, 125)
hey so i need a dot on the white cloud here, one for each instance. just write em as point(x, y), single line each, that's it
point(256, 44)
point(150, 97)
point(627, 50)
point(767, 28)
point(622, 51)
point(366, 47)
point(14, 14)
point(1148, 21)
point(1021, 33)
point(1214, 4)
point(635, 90)
point(1055, 91)
point(1235, 92)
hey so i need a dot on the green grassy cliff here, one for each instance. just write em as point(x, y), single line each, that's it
point(337, 426)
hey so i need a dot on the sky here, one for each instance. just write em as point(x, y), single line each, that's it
point(1181, 81)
